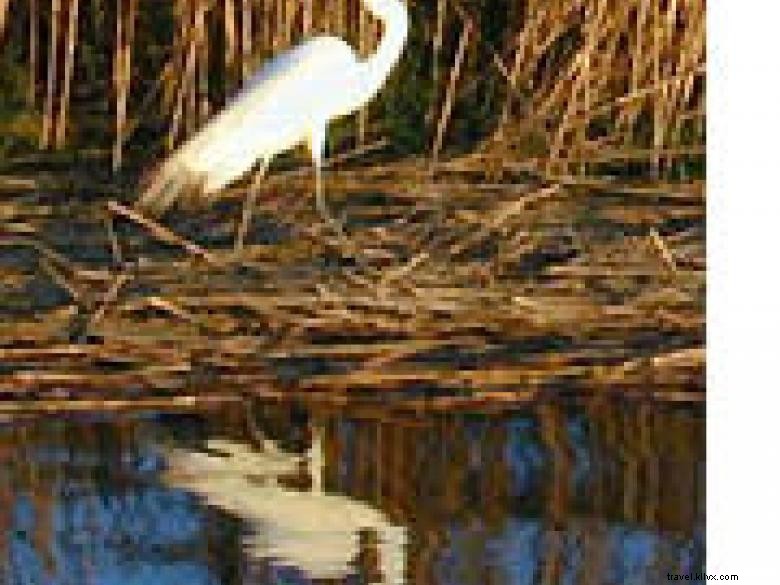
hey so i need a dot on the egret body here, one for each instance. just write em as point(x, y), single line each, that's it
point(289, 101)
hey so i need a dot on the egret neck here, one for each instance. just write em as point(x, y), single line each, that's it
point(377, 67)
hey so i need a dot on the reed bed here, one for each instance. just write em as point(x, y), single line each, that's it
point(510, 289)
point(559, 249)
point(572, 86)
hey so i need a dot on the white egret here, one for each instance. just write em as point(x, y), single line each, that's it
point(289, 101)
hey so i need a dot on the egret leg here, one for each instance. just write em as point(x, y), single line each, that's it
point(248, 210)
point(317, 152)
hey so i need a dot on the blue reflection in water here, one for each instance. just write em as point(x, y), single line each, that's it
point(524, 454)
point(513, 554)
point(143, 536)
point(126, 531)
point(94, 511)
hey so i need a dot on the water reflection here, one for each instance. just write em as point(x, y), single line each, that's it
point(595, 492)
point(319, 534)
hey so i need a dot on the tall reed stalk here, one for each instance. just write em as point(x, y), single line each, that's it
point(32, 88)
point(364, 41)
point(231, 44)
point(455, 73)
point(201, 37)
point(62, 118)
point(51, 77)
point(4, 5)
point(125, 35)
point(306, 21)
point(246, 38)
point(586, 84)
point(191, 69)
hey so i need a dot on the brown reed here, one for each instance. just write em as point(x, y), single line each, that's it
point(62, 116)
point(4, 5)
point(581, 78)
point(125, 34)
point(51, 78)
point(33, 53)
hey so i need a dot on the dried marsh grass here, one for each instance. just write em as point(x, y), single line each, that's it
point(562, 251)
point(587, 86)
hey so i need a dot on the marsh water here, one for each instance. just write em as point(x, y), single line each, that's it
point(588, 491)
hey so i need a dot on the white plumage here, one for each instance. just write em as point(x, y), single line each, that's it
point(291, 100)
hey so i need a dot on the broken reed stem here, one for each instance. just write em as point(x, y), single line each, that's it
point(278, 25)
point(363, 47)
point(516, 50)
point(495, 57)
point(60, 279)
point(663, 249)
point(506, 109)
point(113, 240)
point(584, 79)
point(162, 233)
point(73, 14)
point(3, 16)
point(282, 31)
point(455, 71)
point(438, 41)
point(246, 38)
point(626, 100)
point(341, 18)
point(51, 78)
point(203, 61)
point(125, 29)
point(184, 108)
point(167, 80)
point(189, 99)
point(108, 298)
point(127, 54)
point(284, 24)
point(307, 17)
point(179, 59)
point(191, 77)
point(33, 54)
point(667, 33)
point(115, 405)
point(291, 21)
point(265, 34)
point(657, 111)
point(231, 44)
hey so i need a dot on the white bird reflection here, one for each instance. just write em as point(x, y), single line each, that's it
point(314, 531)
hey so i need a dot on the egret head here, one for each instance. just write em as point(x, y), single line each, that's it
point(386, 8)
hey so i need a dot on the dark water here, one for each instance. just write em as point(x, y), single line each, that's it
point(595, 492)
